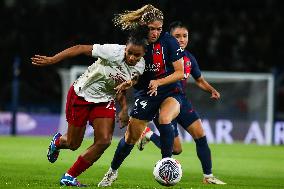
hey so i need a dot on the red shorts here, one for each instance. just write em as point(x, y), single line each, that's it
point(79, 111)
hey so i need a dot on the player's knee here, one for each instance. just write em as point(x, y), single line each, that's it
point(103, 144)
point(131, 139)
point(105, 141)
point(164, 119)
point(177, 152)
point(133, 132)
point(73, 146)
point(198, 134)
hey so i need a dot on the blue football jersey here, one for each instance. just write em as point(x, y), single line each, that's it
point(159, 60)
point(191, 67)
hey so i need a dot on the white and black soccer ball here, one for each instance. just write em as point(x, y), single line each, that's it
point(167, 171)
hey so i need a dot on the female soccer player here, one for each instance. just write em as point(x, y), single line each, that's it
point(188, 117)
point(91, 98)
point(157, 88)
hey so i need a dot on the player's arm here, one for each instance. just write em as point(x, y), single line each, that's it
point(177, 75)
point(126, 85)
point(40, 60)
point(123, 114)
point(203, 84)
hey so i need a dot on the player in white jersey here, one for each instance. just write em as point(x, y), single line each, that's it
point(91, 98)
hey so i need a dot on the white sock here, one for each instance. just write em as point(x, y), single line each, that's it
point(67, 175)
point(149, 134)
point(112, 170)
point(206, 176)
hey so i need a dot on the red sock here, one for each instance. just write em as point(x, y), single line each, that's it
point(78, 167)
point(57, 142)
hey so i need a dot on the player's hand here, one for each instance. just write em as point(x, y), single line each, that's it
point(123, 118)
point(42, 60)
point(153, 87)
point(123, 86)
point(215, 95)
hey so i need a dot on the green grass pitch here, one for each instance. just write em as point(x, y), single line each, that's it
point(23, 164)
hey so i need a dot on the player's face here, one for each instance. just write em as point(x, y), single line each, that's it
point(155, 29)
point(181, 34)
point(133, 54)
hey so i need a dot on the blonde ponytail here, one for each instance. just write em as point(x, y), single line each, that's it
point(131, 19)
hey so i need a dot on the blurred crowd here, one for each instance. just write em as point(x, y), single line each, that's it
point(236, 35)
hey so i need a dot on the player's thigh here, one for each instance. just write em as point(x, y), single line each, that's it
point(196, 130)
point(169, 110)
point(77, 113)
point(134, 130)
point(102, 116)
point(103, 129)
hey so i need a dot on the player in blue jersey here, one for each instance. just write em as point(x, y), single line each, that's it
point(188, 117)
point(157, 89)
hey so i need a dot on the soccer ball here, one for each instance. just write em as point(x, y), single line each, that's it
point(167, 172)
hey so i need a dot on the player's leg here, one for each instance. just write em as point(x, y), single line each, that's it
point(125, 145)
point(149, 135)
point(177, 149)
point(144, 109)
point(76, 116)
point(203, 152)
point(169, 110)
point(71, 140)
point(103, 128)
point(101, 116)
point(202, 149)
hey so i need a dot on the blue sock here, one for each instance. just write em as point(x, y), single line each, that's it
point(156, 140)
point(204, 154)
point(167, 139)
point(122, 151)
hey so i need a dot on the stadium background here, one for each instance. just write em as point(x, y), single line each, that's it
point(234, 36)
point(230, 36)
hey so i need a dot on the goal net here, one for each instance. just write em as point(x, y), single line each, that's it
point(243, 114)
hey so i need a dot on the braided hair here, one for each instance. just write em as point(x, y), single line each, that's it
point(132, 19)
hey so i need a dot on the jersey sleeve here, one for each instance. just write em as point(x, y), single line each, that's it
point(175, 52)
point(106, 51)
point(195, 71)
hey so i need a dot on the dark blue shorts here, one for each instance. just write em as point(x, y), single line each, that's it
point(146, 107)
point(186, 116)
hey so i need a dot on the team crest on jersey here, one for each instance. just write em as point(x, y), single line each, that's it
point(187, 66)
point(157, 51)
point(188, 63)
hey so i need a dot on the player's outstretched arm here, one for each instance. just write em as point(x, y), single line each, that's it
point(203, 84)
point(40, 60)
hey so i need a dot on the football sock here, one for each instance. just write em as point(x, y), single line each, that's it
point(156, 140)
point(78, 167)
point(204, 155)
point(166, 139)
point(122, 151)
point(57, 142)
point(206, 176)
point(149, 134)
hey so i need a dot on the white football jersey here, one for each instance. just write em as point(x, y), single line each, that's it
point(99, 80)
